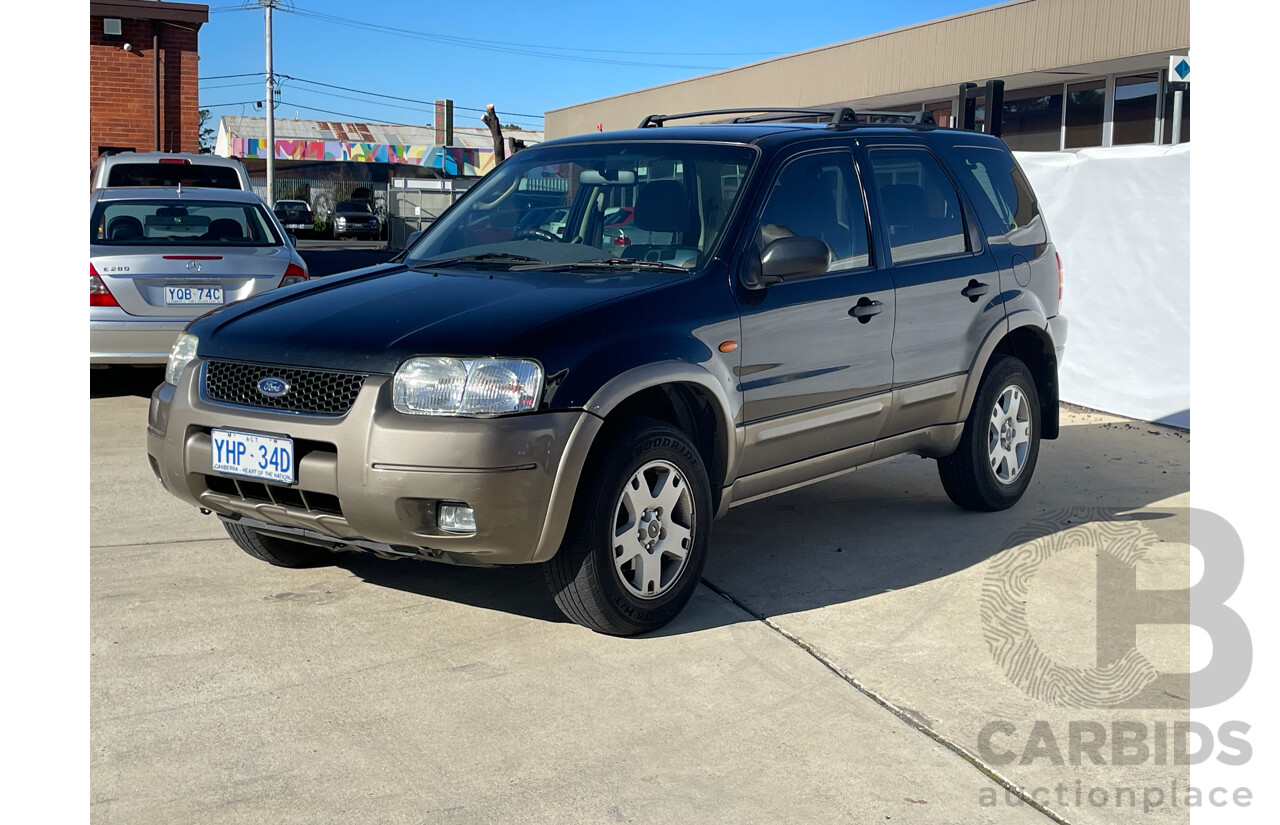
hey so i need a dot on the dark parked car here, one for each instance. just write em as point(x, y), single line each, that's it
point(295, 215)
point(355, 219)
point(808, 298)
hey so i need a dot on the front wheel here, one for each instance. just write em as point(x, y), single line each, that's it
point(277, 551)
point(992, 467)
point(637, 541)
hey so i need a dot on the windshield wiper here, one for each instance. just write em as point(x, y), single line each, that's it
point(605, 263)
point(483, 258)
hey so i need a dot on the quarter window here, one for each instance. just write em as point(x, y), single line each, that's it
point(817, 196)
point(1005, 189)
point(919, 205)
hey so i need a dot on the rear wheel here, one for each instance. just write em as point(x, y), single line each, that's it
point(992, 467)
point(637, 540)
point(277, 551)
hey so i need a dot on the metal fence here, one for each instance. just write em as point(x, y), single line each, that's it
point(409, 210)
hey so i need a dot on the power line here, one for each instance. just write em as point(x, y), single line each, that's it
point(233, 103)
point(226, 76)
point(459, 40)
point(229, 85)
point(394, 97)
point(486, 45)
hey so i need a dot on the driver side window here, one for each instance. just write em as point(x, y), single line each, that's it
point(817, 196)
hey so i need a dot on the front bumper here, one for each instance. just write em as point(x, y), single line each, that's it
point(378, 475)
point(357, 229)
point(133, 342)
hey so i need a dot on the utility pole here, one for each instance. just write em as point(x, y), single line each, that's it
point(270, 106)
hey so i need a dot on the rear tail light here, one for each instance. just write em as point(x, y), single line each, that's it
point(293, 275)
point(179, 161)
point(99, 295)
point(622, 240)
point(1059, 257)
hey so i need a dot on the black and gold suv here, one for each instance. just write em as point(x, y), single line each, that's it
point(799, 292)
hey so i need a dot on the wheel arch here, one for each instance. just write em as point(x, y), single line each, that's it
point(1028, 340)
point(683, 395)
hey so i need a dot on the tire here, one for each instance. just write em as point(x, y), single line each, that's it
point(613, 580)
point(278, 551)
point(993, 465)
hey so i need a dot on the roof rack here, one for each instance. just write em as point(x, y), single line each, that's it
point(838, 118)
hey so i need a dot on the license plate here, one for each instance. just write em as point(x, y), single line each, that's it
point(176, 294)
point(253, 456)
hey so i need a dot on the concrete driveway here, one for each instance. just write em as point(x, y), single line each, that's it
point(835, 667)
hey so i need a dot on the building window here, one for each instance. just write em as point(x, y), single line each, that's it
point(1134, 120)
point(1084, 114)
point(1033, 119)
point(1168, 116)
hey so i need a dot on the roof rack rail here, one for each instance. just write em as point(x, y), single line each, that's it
point(838, 118)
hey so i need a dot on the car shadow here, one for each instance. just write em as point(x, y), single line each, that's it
point(874, 531)
point(116, 382)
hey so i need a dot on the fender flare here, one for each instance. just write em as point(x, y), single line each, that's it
point(1018, 320)
point(602, 402)
point(637, 379)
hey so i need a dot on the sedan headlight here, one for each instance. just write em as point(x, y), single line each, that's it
point(181, 354)
point(478, 387)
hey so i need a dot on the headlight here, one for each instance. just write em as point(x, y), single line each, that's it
point(181, 354)
point(479, 387)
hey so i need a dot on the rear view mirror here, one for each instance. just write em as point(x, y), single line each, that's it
point(609, 177)
point(787, 259)
point(293, 240)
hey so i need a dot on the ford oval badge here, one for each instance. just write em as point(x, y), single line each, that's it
point(273, 387)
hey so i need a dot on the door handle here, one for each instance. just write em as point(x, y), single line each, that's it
point(974, 290)
point(865, 309)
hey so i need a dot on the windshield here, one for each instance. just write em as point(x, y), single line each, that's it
point(181, 223)
point(352, 206)
point(646, 201)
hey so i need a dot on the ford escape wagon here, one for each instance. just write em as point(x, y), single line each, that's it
point(807, 291)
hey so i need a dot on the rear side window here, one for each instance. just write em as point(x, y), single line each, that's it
point(919, 205)
point(171, 174)
point(817, 196)
point(1006, 202)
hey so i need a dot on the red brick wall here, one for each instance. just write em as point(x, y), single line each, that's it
point(122, 94)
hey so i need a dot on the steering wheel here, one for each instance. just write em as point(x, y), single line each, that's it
point(538, 233)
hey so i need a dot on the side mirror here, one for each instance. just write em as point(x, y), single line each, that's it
point(293, 240)
point(787, 259)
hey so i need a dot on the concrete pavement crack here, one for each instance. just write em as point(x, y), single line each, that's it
point(852, 681)
point(150, 543)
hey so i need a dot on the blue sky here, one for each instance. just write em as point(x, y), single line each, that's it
point(527, 58)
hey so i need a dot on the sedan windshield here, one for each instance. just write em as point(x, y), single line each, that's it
point(181, 223)
point(645, 201)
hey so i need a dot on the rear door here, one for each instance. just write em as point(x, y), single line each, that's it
point(815, 376)
point(947, 284)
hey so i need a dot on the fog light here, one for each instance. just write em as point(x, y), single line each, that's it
point(456, 518)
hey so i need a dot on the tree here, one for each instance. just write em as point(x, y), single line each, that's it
point(208, 135)
point(490, 119)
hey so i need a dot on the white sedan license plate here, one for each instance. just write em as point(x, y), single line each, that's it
point(253, 456)
point(177, 294)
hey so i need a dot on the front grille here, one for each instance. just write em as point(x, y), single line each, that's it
point(318, 392)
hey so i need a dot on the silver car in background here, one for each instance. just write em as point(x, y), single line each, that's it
point(160, 257)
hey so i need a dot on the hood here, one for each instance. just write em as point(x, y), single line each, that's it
point(372, 320)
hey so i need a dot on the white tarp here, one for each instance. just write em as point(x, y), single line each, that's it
point(1121, 220)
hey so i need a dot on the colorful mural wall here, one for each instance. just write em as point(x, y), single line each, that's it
point(454, 160)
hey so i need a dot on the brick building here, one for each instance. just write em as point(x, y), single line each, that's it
point(143, 76)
